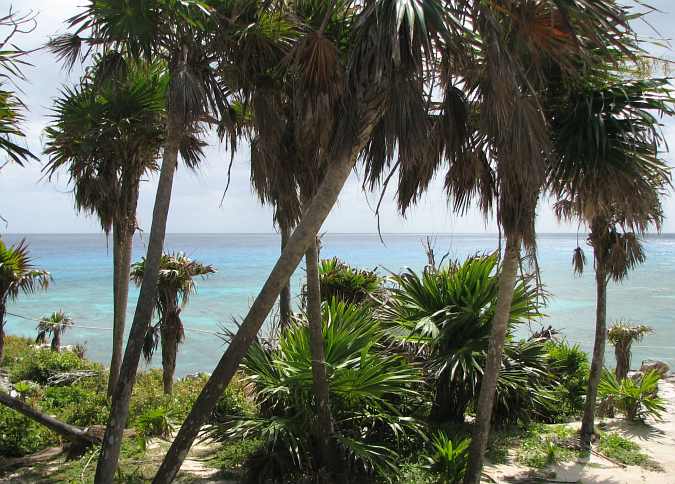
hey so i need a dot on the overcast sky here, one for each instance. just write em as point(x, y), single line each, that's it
point(32, 205)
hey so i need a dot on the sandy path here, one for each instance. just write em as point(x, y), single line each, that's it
point(656, 438)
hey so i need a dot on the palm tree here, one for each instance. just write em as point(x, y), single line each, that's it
point(55, 325)
point(174, 288)
point(610, 176)
point(11, 106)
point(107, 133)
point(391, 41)
point(17, 276)
point(622, 335)
point(178, 35)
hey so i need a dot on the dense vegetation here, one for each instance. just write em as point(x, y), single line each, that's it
point(393, 359)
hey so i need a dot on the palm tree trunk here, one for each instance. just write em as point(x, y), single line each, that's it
point(588, 422)
point(622, 354)
point(123, 245)
point(285, 296)
point(481, 430)
point(110, 450)
point(169, 337)
point(324, 433)
point(56, 340)
point(303, 236)
point(3, 310)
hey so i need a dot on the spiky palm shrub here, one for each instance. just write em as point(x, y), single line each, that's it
point(569, 366)
point(53, 325)
point(346, 283)
point(444, 318)
point(18, 276)
point(174, 287)
point(369, 389)
point(622, 335)
point(636, 398)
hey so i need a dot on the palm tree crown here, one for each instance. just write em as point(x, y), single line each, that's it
point(18, 274)
point(55, 325)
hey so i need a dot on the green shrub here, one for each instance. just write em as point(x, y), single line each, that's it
point(448, 460)
point(346, 283)
point(38, 365)
point(154, 422)
point(368, 390)
point(20, 435)
point(569, 366)
point(76, 405)
point(16, 347)
point(637, 398)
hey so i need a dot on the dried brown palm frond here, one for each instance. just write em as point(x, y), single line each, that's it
point(579, 261)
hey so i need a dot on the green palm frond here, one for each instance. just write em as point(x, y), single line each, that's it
point(367, 387)
point(17, 272)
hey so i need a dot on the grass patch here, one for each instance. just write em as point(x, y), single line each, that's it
point(627, 452)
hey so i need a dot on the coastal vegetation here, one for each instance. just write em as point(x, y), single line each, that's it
point(374, 377)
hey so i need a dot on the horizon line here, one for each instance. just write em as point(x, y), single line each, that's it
point(324, 233)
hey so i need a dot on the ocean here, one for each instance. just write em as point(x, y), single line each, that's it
point(81, 266)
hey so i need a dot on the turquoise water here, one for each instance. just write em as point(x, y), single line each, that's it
point(81, 266)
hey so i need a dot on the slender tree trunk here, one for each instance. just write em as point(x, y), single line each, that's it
point(588, 422)
point(123, 235)
point(285, 296)
point(303, 236)
point(481, 430)
point(119, 412)
point(325, 431)
point(70, 432)
point(622, 354)
point(2, 339)
point(56, 341)
point(3, 311)
point(169, 337)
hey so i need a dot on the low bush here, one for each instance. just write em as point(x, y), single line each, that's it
point(76, 405)
point(38, 365)
point(568, 364)
point(20, 435)
point(448, 460)
point(637, 398)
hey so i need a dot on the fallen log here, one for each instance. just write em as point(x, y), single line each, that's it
point(29, 460)
point(72, 433)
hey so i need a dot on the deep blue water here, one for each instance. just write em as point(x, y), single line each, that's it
point(81, 266)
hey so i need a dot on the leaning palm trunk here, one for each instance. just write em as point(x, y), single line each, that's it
point(588, 422)
point(170, 336)
point(324, 432)
point(304, 235)
point(481, 431)
point(107, 462)
point(285, 296)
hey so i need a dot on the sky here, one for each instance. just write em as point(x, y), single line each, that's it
point(31, 204)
